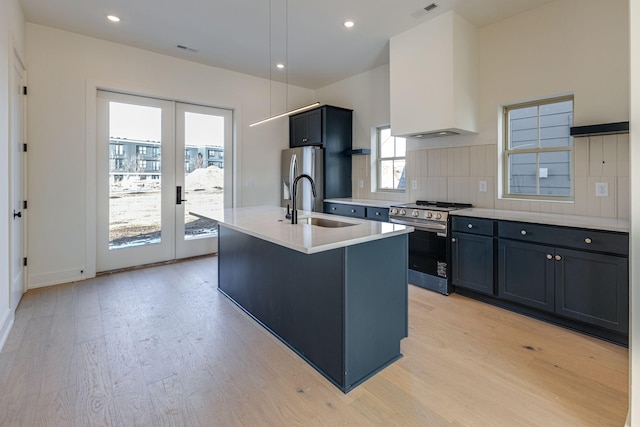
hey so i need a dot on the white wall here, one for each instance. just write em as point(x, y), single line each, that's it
point(11, 37)
point(63, 68)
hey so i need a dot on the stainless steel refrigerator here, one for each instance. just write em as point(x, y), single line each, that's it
point(296, 161)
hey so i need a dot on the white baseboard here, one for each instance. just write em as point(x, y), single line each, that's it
point(5, 326)
point(56, 278)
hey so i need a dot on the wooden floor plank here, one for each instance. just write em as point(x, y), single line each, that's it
point(161, 346)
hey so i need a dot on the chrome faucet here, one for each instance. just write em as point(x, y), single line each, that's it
point(294, 187)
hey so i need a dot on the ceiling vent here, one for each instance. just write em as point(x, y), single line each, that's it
point(421, 12)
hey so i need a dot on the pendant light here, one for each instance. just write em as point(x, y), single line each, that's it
point(296, 110)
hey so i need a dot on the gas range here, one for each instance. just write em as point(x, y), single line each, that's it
point(429, 246)
point(424, 214)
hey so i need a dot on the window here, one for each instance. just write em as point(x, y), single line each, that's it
point(142, 149)
point(391, 160)
point(538, 149)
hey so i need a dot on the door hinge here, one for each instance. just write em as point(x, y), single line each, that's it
point(24, 90)
point(24, 204)
point(24, 261)
point(24, 147)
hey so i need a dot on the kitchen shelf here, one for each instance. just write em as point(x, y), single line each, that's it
point(357, 152)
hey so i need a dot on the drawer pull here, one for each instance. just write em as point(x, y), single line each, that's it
point(587, 241)
point(549, 256)
point(333, 208)
point(378, 213)
point(558, 257)
point(470, 226)
point(453, 239)
point(523, 232)
point(353, 211)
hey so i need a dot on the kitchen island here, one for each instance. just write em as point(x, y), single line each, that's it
point(332, 289)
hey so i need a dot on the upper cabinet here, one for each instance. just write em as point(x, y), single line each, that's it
point(306, 129)
point(433, 78)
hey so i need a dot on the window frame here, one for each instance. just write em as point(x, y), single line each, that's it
point(380, 159)
point(506, 152)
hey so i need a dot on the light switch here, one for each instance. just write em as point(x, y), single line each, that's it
point(414, 184)
point(482, 186)
point(544, 172)
point(602, 189)
point(360, 183)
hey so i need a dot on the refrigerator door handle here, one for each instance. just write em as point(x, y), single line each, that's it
point(293, 172)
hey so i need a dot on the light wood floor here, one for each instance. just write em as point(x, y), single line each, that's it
point(161, 346)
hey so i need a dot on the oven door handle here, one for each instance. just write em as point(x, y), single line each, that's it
point(424, 226)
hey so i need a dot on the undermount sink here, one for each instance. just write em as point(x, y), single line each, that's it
point(323, 222)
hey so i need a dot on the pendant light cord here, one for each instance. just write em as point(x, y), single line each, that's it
point(270, 62)
point(286, 56)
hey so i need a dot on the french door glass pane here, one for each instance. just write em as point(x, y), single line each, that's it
point(134, 175)
point(204, 171)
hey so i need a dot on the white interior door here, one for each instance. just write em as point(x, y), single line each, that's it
point(203, 166)
point(17, 175)
point(135, 180)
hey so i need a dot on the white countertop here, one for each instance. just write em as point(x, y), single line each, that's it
point(268, 223)
point(365, 202)
point(595, 223)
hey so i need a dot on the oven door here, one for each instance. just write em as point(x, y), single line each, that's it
point(428, 253)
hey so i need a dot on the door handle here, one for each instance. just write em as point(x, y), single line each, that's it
point(17, 214)
point(179, 198)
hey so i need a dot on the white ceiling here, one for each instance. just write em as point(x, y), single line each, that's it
point(236, 34)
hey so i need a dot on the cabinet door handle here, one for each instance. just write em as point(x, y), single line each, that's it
point(523, 232)
point(587, 241)
point(378, 213)
point(549, 256)
point(470, 226)
point(558, 257)
point(453, 239)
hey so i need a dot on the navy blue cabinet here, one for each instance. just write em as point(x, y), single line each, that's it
point(472, 254)
point(306, 129)
point(575, 273)
point(357, 211)
point(330, 128)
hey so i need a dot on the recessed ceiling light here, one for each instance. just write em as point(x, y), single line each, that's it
point(349, 23)
point(113, 18)
point(280, 66)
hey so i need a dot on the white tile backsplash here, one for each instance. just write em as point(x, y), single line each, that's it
point(595, 156)
point(581, 157)
point(623, 155)
point(610, 155)
point(453, 174)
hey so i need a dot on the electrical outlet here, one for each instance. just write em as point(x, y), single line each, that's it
point(414, 184)
point(602, 189)
point(482, 186)
point(360, 183)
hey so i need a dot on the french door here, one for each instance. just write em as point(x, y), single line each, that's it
point(160, 164)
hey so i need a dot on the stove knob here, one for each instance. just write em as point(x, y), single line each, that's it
point(415, 214)
point(428, 215)
point(403, 212)
point(394, 211)
point(438, 215)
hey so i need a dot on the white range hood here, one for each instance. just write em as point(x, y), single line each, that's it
point(433, 79)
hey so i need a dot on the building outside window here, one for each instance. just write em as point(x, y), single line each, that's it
point(118, 150)
point(391, 160)
point(141, 149)
point(537, 150)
